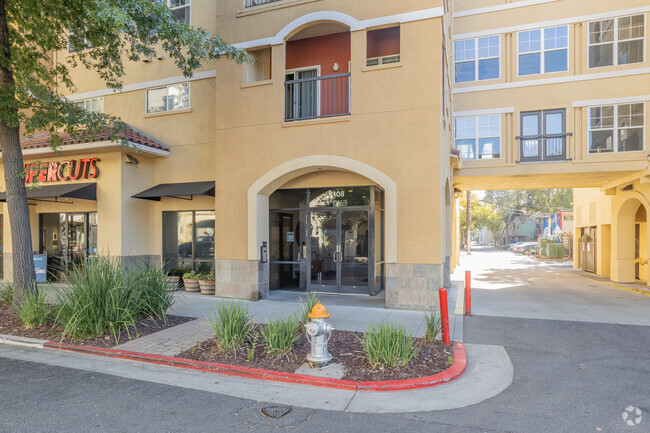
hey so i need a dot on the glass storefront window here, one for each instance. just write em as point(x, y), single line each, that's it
point(188, 240)
point(67, 239)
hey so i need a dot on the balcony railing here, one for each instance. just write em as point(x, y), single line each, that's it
point(317, 97)
point(538, 148)
point(251, 3)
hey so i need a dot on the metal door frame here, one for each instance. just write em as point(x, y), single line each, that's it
point(311, 288)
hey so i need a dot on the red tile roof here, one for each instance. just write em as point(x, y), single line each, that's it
point(132, 135)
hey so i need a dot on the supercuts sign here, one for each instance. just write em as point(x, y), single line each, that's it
point(55, 171)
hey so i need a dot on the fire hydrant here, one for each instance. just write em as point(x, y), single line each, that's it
point(319, 333)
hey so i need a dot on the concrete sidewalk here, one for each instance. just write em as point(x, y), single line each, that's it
point(489, 372)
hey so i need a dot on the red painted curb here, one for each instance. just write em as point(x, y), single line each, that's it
point(450, 374)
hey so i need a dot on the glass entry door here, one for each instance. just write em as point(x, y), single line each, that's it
point(339, 251)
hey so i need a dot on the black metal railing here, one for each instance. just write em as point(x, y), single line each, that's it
point(317, 97)
point(251, 3)
point(537, 148)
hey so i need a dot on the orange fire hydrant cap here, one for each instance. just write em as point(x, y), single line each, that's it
point(319, 312)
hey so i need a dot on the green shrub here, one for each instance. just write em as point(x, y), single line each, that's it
point(32, 309)
point(207, 276)
point(6, 293)
point(306, 306)
point(433, 327)
point(150, 282)
point(231, 324)
point(281, 335)
point(190, 275)
point(100, 298)
point(388, 345)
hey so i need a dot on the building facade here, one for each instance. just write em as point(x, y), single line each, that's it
point(323, 166)
point(554, 94)
point(332, 163)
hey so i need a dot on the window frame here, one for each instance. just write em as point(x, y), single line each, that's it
point(85, 103)
point(543, 135)
point(189, 99)
point(615, 129)
point(543, 50)
point(168, 3)
point(477, 137)
point(616, 41)
point(477, 59)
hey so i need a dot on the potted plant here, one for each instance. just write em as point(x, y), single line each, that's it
point(191, 282)
point(206, 282)
point(174, 279)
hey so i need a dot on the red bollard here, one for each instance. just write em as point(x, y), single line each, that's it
point(444, 316)
point(468, 293)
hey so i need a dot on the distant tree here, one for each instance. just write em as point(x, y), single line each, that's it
point(511, 202)
point(104, 34)
point(483, 215)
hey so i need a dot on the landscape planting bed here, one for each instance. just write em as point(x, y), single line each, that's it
point(10, 324)
point(347, 350)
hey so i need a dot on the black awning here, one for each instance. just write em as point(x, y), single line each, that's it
point(84, 191)
point(178, 190)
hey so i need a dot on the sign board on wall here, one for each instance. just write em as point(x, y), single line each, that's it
point(55, 171)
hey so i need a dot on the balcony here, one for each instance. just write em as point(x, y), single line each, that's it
point(252, 3)
point(543, 148)
point(313, 97)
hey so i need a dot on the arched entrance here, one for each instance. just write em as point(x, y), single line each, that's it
point(630, 242)
point(330, 229)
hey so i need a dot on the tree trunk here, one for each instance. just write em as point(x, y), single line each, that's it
point(24, 277)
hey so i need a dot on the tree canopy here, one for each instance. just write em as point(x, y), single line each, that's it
point(482, 215)
point(530, 201)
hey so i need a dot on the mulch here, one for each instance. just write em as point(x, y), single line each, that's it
point(10, 324)
point(346, 349)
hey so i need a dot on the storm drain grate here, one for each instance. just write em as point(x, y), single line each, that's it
point(275, 412)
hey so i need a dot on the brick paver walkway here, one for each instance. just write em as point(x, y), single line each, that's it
point(172, 341)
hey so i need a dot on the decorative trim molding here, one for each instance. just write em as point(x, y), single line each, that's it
point(542, 24)
point(555, 80)
point(485, 112)
point(144, 85)
point(624, 100)
point(503, 7)
point(340, 17)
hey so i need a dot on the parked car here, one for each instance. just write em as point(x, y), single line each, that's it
point(514, 246)
point(531, 250)
point(525, 246)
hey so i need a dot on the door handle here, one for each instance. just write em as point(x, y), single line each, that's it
point(338, 257)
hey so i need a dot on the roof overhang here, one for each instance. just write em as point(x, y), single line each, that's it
point(97, 145)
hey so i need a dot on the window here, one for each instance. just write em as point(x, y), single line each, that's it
point(96, 105)
point(543, 50)
point(616, 128)
point(543, 135)
point(77, 47)
point(261, 69)
point(180, 9)
point(188, 240)
point(616, 41)
point(478, 137)
point(477, 58)
point(170, 98)
point(383, 46)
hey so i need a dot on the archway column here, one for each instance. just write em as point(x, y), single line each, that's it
point(623, 238)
